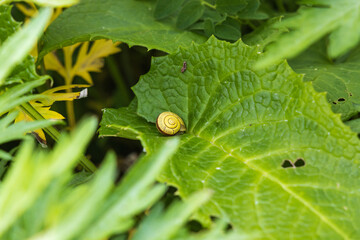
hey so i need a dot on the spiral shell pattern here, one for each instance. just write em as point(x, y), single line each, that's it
point(169, 123)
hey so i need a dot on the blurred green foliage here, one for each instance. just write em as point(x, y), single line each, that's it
point(51, 193)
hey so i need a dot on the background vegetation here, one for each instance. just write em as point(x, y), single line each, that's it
point(271, 149)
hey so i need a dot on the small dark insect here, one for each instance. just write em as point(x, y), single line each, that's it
point(183, 69)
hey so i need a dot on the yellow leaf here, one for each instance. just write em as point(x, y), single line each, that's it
point(30, 10)
point(52, 94)
point(68, 54)
point(88, 60)
point(45, 112)
point(22, 116)
point(91, 60)
point(52, 62)
point(43, 105)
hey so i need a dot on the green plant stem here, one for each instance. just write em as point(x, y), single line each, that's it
point(205, 3)
point(68, 80)
point(121, 88)
point(248, 22)
point(70, 111)
point(280, 6)
point(54, 134)
point(35, 115)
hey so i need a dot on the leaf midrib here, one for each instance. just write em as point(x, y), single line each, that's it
point(283, 186)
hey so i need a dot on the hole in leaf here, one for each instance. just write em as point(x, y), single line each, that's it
point(228, 227)
point(341, 99)
point(350, 94)
point(299, 162)
point(334, 103)
point(287, 164)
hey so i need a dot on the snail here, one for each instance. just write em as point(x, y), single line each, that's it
point(169, 123)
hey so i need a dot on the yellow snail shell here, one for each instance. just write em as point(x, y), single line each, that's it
point(169, 123)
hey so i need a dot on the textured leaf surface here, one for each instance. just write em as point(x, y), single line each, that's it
point(230, 6)
point(127, 20)
point(265, 34)
point(164, 8)
point(339, 79)
point(339, 18)
point(354, 125)
point(242, 124)
point(189, 14)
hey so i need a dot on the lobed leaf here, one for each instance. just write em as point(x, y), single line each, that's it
point(191, 12)
point(127, 21)
point(243, 124)
point(338, 78)
point(354, 125)
point(231, 7)
point(88, 60)
point(164, 8)
point(339, 18)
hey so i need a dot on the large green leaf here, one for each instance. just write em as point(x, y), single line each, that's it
point(242, 124)
point(313, 21)
point(340, 79)
point(265, 33)
point(129, 21)
point(230, 6)
point(164, 8)
point(191, 12)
